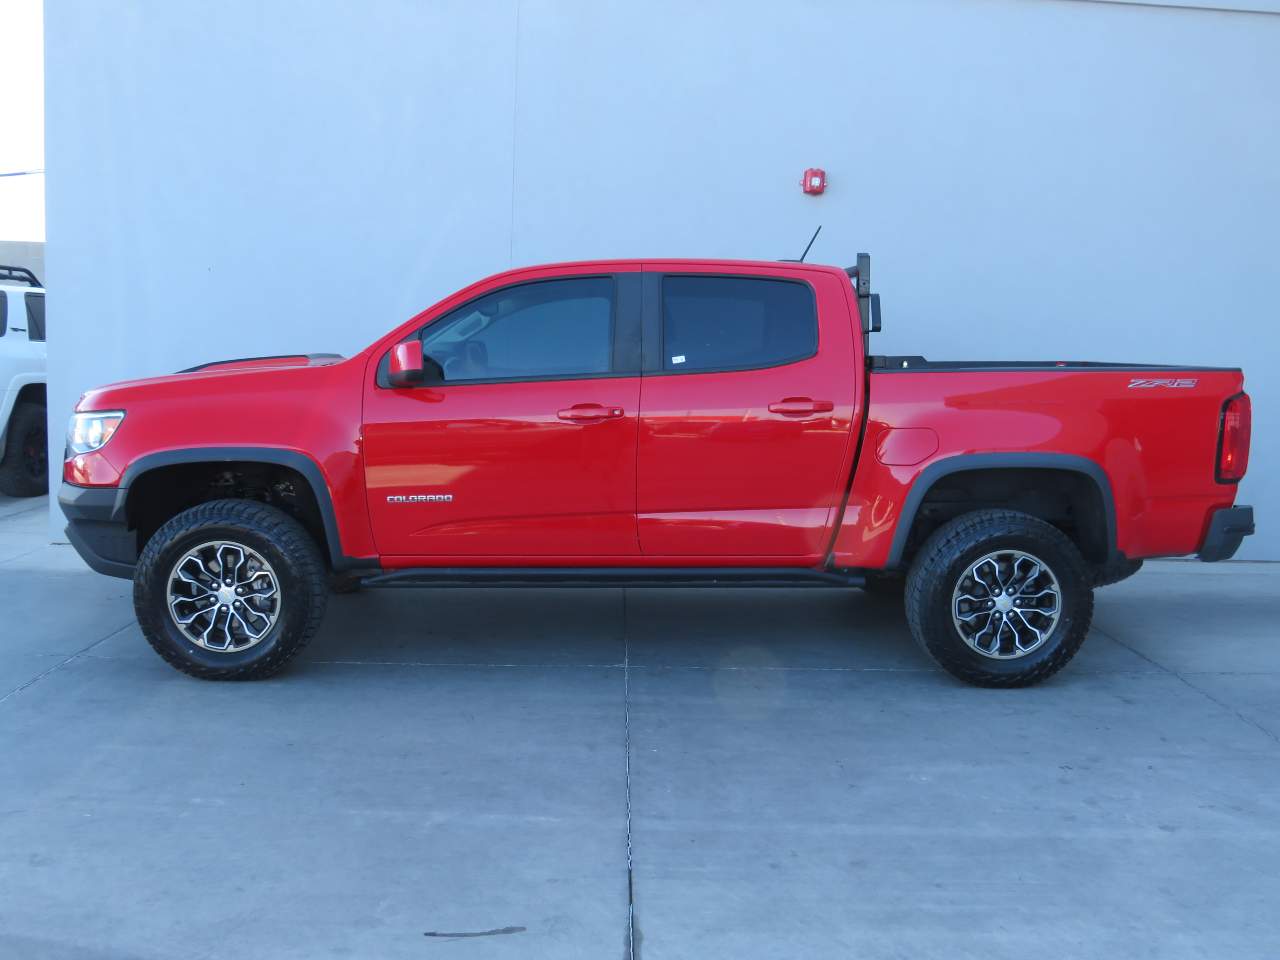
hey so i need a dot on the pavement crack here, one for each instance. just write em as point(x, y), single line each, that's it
point(1200, 690)
point(626, 744)
point(495, 932)
point(62, 663)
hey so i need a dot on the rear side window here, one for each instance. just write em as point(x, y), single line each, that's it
point(35, 316)
point(736, 323)
point(552, 329)
point(4, 312)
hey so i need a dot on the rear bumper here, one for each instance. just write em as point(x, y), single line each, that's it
point(1227, 528)
point(97, 529)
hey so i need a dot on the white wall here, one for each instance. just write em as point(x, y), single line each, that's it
point(1034, 178)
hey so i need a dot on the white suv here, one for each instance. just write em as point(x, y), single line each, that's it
point(24, 452)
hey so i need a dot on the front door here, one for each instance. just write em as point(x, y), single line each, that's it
point(527, 450)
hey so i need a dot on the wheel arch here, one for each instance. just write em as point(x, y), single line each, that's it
point(294, 460)
point(25, 388)
point(1063, 463)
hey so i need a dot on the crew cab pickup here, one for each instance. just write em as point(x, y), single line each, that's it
point(652, 423)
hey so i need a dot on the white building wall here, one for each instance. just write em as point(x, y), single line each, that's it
point(1034, 178)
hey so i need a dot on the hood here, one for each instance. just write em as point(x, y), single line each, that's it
point(114, 394)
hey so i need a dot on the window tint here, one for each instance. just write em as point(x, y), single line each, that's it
point(553, 328)
point(728, 323)
point(35, 316)
point(4, 312)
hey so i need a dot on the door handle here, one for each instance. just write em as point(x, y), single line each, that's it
point(589, 413)
point(801, 406)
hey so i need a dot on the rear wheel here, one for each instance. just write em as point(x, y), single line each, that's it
point(230, 590)
point(999, 598)
point(24, 468)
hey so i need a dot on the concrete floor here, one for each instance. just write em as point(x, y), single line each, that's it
point(800, 781)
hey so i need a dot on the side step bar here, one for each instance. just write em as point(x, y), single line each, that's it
point(614, 577)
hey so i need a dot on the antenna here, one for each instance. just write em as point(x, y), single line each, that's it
point(810, 244)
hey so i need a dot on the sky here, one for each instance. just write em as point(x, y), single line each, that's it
point(22, 120)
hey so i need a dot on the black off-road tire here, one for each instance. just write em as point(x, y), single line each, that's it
point(24, 461)
point(945, 558)
point(277, 537)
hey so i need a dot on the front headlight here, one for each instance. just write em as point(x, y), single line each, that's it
point(89, 431)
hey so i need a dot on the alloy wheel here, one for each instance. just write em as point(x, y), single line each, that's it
point(224, 596)
point(1006, 604)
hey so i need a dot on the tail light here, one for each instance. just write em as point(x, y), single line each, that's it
point(1233, 438)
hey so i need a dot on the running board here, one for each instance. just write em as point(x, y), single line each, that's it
point(614, 577)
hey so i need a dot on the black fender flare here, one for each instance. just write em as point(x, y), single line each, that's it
point(1066, 462)
point(303, 464)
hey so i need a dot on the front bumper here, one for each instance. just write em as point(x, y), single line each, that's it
point(1227, 528)
point(97, 529)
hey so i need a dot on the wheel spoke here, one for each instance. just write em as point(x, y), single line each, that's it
point(255, 634)
point(1026, 580)
point(978, 576)
point(1038, 635)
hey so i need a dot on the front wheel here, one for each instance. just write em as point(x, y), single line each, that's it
point(230, 590)
point(999, 598)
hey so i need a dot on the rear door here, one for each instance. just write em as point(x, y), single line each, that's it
point(746, 412)
point(527, 450)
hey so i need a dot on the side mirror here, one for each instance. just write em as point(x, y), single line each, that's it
point(409, 367)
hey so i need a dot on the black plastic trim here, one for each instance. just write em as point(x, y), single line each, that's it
point(651, 323)
point(995, 461)
point(96, 528)
point(10, 274)
point(275, 356)
point(627, 337)
point(614, 577)
point(1227, 528)
point(87, 546)
point(285, 458)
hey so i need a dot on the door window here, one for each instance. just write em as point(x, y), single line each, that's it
point(35, 316)
point(547, 330)
point(735, 323)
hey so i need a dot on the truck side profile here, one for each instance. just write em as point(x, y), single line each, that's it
point(652, 422)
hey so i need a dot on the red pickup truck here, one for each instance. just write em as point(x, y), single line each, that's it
point(651, 423)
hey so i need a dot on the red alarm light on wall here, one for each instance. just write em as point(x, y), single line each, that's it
point(815, 180)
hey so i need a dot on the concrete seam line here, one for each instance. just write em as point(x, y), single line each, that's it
point(62, 663)
point(626, 744)
point(38, 508)
point(22, 555)
point(1204, 693)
